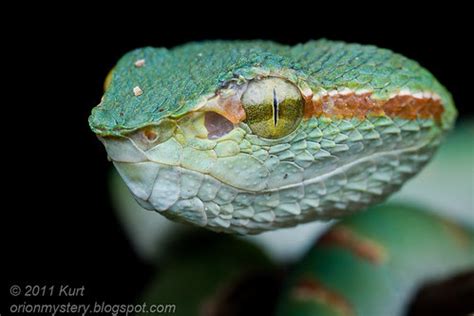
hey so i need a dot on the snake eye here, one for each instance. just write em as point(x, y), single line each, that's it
point(273, 107)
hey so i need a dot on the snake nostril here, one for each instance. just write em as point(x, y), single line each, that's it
point(150, 135)
point(217, 125)
point(153, 135)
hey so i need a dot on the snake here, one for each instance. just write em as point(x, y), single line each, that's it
point(249, 136)
point(377, 263)
point(374, 263)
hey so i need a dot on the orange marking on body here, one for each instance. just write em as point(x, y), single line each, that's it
point(410, 108)
point(362, 247)
point(460, 235)
point(363, 105)
point(308, 289)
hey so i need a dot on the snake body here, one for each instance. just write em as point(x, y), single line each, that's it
point(249, 136)
point(374, 262)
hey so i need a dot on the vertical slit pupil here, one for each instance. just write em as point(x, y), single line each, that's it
point(275, 108)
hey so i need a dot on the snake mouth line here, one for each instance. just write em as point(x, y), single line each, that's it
point(341, 169)
point(181, 168)
point(348, 166)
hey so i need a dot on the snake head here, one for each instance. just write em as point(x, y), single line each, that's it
point(251, 136)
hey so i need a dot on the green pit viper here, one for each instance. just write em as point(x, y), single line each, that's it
point(250, 136)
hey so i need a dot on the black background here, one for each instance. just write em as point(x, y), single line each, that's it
point(61, 227)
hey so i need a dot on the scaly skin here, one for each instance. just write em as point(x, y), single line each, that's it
point(386, 253)
point(342, 157)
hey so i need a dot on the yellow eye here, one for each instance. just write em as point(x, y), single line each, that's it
point(273, 107)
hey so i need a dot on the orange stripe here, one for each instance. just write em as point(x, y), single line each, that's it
point(460, 235)
point(308, 289)
point(363, 105)
point(360, 246)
